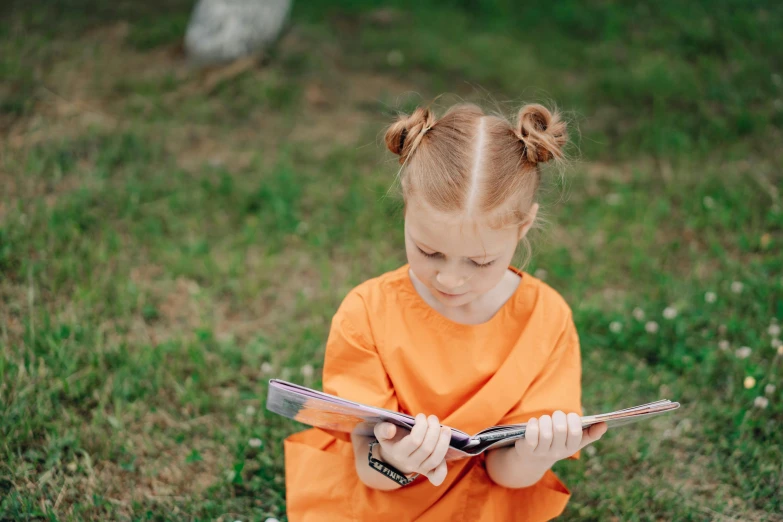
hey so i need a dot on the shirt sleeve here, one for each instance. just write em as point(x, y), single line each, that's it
point(353, 368)
point(559, 384)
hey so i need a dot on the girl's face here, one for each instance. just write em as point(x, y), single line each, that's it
point(456, 257)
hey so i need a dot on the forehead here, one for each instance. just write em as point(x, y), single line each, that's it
point(456, 234)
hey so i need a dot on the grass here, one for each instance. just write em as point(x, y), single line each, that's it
point(165, 249)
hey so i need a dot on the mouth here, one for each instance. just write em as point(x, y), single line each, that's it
point(448, 295)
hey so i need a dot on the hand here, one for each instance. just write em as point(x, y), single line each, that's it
point(422, 450)
point(557, 437)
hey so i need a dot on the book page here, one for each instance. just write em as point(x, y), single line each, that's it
point(616, 418)
point(334, 413)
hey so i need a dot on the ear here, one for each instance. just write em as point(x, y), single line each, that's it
point(524, 227)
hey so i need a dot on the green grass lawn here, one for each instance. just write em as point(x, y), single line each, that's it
point(169, 243)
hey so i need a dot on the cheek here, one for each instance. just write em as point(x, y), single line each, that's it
point(487, 278)
point(420, 265)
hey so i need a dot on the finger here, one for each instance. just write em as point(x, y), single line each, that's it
point(428, 444)
point(439, 453)
point(574, 433)
point(593, 433)
point(412, 442)
point(596, 431)
point(384, 431)
point(560, 431)
point(438, 475)
point(545, 435)
point(531, 434)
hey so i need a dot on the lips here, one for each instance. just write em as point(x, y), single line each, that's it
point(446, 294)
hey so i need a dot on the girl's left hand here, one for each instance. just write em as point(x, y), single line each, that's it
point(557, 437)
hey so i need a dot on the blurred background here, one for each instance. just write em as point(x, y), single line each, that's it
point(171, 237)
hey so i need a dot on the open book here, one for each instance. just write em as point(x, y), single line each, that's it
point(333, 413)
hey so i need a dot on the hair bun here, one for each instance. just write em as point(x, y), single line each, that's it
point(404, 135)
point(542, 133)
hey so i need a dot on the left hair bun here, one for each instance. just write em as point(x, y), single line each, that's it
point(404, 135)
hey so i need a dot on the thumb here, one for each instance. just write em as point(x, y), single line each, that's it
point(593, 433)
point(438, 475)
point(384, 431)
point(522, 447)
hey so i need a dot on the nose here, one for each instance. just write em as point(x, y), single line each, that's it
point(449, 280)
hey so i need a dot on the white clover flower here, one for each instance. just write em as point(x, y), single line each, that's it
point(743, 352)
point(723, 344)
point(231, 475)
point(638, 313)
point(307, 371)
point(761, 402)
point(302, 228)
point(395, 58)
point(776, 343)
point(540, 273)
point(651, 327)
point(616, 327)
point(708, 202)
point(736, 287)
point(773, 330)
point(250, 411)
point(749, 382)
point(613, 199)
point(590, 450)
point(669, 312)
point(255, 443)
point(271, 519)
point(668, 433)
point(769, 389)
point(266, 368)
point(710, 297)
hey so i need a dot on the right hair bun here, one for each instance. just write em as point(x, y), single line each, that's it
point(404, 135)
point(542, 133)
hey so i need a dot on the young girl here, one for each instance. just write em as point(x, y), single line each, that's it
point(457, 337)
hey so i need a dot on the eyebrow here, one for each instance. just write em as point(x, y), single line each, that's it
point(422, 245)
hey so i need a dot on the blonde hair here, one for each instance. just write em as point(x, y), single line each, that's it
point(473, 162)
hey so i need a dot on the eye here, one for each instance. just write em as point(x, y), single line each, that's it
point(484, 265)
point(425, 254)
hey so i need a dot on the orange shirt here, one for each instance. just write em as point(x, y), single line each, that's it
point(389, 348)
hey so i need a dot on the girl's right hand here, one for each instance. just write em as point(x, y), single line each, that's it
point(422, 450)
